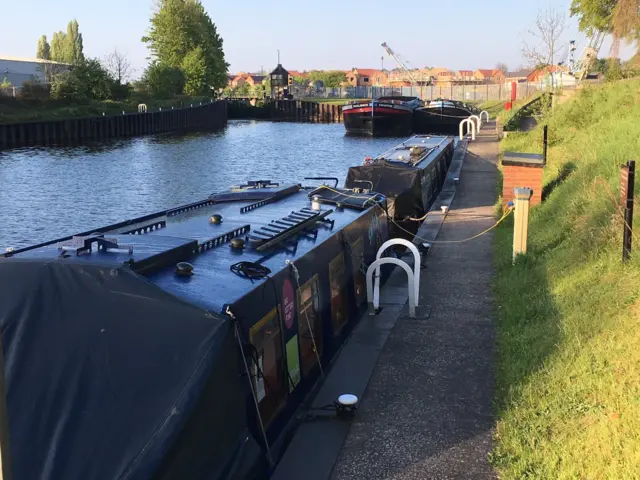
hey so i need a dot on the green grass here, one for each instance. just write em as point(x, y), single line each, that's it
point(568, 396)
point(16, 110)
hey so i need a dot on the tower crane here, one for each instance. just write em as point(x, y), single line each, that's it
point(401, 64)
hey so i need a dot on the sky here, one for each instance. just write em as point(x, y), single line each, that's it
point(327, 34)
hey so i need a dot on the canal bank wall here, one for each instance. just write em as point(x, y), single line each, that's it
point(286, 110)
point(207, 117)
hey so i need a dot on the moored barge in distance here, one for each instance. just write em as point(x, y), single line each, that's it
point(385, 116)
point(442, 117)
point(178, 345)
point(410, 175)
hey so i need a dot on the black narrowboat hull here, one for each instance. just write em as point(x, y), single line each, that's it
point(439, 120)
point(379, 124)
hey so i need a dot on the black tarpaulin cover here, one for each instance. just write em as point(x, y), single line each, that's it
point(399, 183)
point(104, 372)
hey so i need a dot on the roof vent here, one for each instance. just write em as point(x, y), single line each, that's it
point(237, 243)
point(215, 219)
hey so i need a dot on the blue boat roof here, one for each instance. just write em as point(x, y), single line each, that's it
point(154, 244)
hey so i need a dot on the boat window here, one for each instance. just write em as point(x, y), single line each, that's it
point(338, 293)
point(267, 375)
point(309, 323)
point(357, 263)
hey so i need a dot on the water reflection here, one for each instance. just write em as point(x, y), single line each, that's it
point(51, 192)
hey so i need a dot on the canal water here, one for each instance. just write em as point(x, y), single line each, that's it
point(46, 193)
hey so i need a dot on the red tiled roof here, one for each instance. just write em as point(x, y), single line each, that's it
point(485, 72)
point(295, 73)
point(465, 72)
point(366, 71)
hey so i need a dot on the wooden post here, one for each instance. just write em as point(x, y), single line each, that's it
point(627, 187)
point(521, 221)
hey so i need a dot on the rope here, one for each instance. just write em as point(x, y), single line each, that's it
point(250, 270)
point(253, 393)
point(505, 215)
point(306, 314)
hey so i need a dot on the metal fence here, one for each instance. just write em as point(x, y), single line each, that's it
point(468, 93)
point(10, 92)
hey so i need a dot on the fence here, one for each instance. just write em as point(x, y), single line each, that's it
point(467, 93)
point(210, 116)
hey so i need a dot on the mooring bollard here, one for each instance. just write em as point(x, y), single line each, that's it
point(521, 220)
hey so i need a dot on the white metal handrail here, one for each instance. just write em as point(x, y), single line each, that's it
point(373, 300)
point(486, 113)
point(479, 122)
point(471, 127)
point(416, 263)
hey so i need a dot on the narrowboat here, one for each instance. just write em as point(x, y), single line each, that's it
point(410, 176)
point(385, 116)
point(178, 345)
point(442, 117)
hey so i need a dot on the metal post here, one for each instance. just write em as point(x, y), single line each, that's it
point(521, 221)
point(628, 211)
point(544, 143)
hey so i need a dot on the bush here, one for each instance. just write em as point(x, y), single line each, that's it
point(163, 81)
point(35, 91)
point(86, 81)
point(119, 91)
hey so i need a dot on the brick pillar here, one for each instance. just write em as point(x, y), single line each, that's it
point(522, 170)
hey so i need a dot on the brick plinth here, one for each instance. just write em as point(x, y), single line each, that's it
point(520, 176)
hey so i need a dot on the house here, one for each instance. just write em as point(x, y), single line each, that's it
point(241, 78)
point(519, 76)
point(489, 76)
point(18, 70)
point(538, 75)
point(444, 77)
point(465, 76)
point(365, 77)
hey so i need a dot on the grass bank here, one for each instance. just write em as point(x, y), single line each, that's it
point(17, 110)
point(568, 394)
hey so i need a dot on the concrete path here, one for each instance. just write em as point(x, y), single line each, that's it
point(426, 413)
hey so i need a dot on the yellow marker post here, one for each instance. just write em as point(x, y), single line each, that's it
point(521, 221)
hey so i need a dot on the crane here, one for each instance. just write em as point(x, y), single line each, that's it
point(581, 68)
point(401, 64)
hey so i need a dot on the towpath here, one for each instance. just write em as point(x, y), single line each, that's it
point(426, 412)
point(426, 384)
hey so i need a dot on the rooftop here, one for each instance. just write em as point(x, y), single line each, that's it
point(30, 60)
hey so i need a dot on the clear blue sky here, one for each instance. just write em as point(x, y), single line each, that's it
point(310, 35)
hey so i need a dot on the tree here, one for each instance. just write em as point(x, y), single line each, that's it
point(547, 32)
point(502, 67)
point(44, 50)
point(194, 68)
point(163, 81)
point(73, 44)
point(118, 65)
point(180, 26)
point(58, 43)
point(330, 79)
point(594, 15)
point(5, 83)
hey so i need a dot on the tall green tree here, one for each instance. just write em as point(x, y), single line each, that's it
point(44, 50)
point(194, 68)
point(178, 27)
point(73, 44)
point(58, 43)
